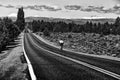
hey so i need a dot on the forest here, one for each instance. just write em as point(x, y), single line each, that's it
point(10, 30)
point(88, 27)
point(92, 38)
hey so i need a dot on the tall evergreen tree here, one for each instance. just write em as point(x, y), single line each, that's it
point(117, 22)
point(117, 25)
point(20, 22)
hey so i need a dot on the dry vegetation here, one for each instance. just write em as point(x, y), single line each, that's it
point(12, 66)
point(89, 43)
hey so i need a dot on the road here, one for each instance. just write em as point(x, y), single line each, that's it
point(50, 63)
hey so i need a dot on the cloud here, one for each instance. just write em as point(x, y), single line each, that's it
point(12, 15)
point(117, 6)
point(99, 9)
point(43, 7)
point(9, 6)
point(117, 1)
point(50, 8)
point(93, 8)
point(72, 7)
point(35, 7)
point(116, 9)
point(1, 5)
point(81, 8)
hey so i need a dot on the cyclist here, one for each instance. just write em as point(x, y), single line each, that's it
point(61, 42)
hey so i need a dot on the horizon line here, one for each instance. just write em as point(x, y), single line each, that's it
point(63, 17)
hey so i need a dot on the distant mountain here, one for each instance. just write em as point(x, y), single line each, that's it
point(77, 21)
point(13, 18)
point(29, 19)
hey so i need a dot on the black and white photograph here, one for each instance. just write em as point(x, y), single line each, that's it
point(59, 39)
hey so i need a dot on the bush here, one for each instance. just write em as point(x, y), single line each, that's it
point(8, 32)
point(69, 36)
point(46, 32)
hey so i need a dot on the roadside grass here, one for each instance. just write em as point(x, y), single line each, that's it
point(13, 65)
point(74, 40)
point(87, 43)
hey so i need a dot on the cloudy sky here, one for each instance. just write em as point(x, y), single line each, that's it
point(62, 8)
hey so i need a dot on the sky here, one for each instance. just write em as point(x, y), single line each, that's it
point(62, 8)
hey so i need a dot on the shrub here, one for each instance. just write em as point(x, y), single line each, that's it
point(46, 32)
point(69, 36)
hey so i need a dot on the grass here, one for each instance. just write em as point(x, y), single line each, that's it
point(12, 66)
point(88, 43)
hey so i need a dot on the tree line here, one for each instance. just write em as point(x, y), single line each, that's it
point(10, 30)
point(88, 27)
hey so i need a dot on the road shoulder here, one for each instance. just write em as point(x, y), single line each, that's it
point(13, 64)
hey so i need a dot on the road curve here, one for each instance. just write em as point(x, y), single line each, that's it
point(48, 66)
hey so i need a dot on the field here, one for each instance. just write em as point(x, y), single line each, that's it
point(89, 43)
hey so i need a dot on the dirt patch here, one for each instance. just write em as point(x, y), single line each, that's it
point(12, 66)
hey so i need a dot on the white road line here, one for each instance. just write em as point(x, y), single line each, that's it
point(83, 63)
point(30, 68)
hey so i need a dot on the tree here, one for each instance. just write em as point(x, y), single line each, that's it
point(20, 22)
point(46, 32)
point(8, 32)
point(57, 28)
point(117, 26)
point(10, 28)
point(69, 36)
point(117, 22)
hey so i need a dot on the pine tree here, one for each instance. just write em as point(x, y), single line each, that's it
point(117, 25)
point(117, 22)
point(20, 22)
point(46, 32)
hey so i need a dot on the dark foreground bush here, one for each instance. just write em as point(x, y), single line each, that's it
point(8, 32)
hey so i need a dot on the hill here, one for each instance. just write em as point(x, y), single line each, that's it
point(77, 21)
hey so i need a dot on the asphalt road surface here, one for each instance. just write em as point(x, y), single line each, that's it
point(50, 63)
